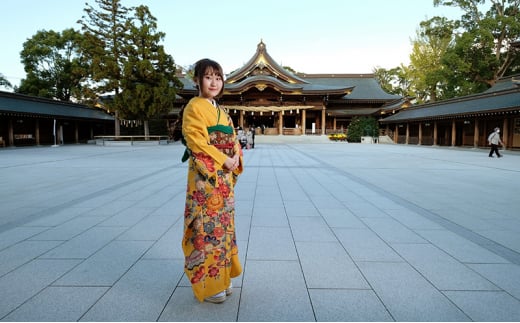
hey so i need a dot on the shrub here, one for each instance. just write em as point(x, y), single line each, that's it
point(362, 126)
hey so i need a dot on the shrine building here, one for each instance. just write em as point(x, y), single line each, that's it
point(264, 95)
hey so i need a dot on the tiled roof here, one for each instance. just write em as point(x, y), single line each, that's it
point(365, 86)
point(495, 101)
point(23, 104)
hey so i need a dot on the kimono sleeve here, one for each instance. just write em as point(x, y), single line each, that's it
point(207, 158)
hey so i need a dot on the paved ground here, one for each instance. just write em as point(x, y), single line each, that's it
point(327, 232)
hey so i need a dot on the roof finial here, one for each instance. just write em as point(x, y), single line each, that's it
point(261, 45)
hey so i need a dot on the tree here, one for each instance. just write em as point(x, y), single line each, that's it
point(105, 35)
point(4, 82)
point(395, 80)
point(429, 47)
point(482, 52)
point(452, 58)
point(53, 63)
point(148, 84)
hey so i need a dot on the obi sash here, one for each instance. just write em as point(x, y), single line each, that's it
point(222, 138)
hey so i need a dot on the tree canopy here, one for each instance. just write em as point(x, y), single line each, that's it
point(458, 57)
point(53, 63)
point(127, 60)
point(148, 79)
point(4, 82)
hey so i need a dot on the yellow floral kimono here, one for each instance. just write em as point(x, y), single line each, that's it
point(209, 242)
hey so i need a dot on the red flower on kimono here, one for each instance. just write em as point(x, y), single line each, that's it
point(225, 219)
point(199, 197)
point(224, 189)
point(213, 271)
point(198, 275)
point(212, 213)
point(207, 160)
point(198, 242)
point(218, 232)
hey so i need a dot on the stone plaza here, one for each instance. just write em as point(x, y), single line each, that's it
point(327, 231)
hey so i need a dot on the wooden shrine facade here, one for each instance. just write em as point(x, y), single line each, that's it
point(264, 95)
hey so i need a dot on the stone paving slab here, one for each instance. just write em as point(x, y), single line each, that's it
point(326, 232)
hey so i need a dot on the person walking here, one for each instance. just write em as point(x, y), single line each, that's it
point(494, 140)
point(215, 162)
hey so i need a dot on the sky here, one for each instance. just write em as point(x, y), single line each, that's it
point(312, 37)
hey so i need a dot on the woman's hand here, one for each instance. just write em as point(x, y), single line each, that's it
point(232, 163)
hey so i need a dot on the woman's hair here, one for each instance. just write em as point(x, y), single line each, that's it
point(207, 66)
point(202, 67)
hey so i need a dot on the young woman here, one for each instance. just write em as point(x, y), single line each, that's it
point(215, 161)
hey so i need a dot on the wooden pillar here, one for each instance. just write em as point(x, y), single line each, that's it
point(304, 118)
point(37, 132)
point(241, 121)
point(117, 125)
point(396, 133)
point(334, 124)
point(435, 133)
point(280, 122)
point(505, 133)
point(420, 134)
point(453, 133)
point(407, 140)
point(11, 132)
point(76, 132)
point(323, 120)
point(475, 133)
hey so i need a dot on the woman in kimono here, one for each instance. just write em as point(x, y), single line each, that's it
point(215, 161)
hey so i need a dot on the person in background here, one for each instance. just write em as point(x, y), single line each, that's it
point(253, 132)
point(494, 141)
point(215, 162)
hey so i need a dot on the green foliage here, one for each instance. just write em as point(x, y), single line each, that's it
point(4, 82)
point(452, 58)
point(148, 82)
point(482, 53)
point(426, 70)
point(54, 65)
point(128, 61)
point(360, 127)
point(104, 30)
point(397, 80)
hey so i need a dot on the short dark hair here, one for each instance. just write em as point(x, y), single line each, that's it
point(207, 65)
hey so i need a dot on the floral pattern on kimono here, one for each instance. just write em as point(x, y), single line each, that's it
point(209, 242)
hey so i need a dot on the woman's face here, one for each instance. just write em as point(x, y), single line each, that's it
point(211, 85)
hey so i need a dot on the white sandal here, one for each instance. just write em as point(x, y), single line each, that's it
point(217, 298)
point(229, 290)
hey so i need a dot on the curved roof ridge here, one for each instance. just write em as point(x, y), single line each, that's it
point(264, 78)
point(262, 60)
